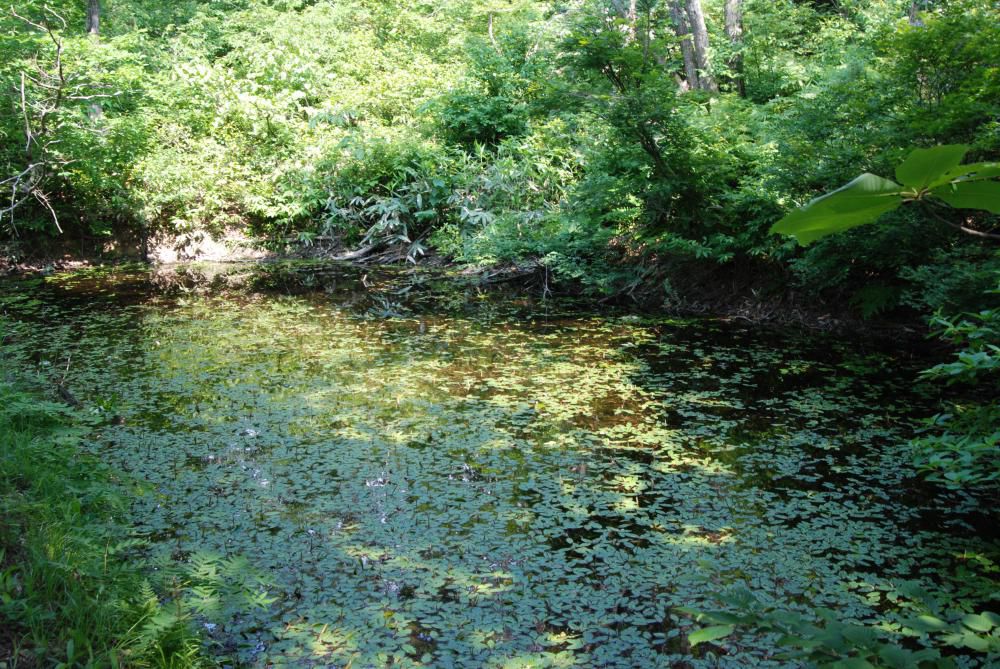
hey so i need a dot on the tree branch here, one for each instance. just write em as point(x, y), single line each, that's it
point(50, 84)
point(959, 226)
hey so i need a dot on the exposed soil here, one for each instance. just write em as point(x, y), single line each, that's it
point(230, 246)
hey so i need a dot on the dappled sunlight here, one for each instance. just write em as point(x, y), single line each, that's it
point(481, 485)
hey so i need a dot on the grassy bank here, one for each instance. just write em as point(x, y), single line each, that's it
point(72, 592)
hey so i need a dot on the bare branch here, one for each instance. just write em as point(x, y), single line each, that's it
point(56, 15)
point(493, 39)
point(93, 97)
point(49, 83)
point(971, 231)
point(959, 226)
point(27, 20)
point(20, 176)
point(44, 199)
point(27, 121)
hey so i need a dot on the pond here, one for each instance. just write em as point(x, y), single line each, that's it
point(403, 469)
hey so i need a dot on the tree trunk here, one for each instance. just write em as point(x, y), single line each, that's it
point(94, 31)
point(679, 16)
point(699, 33)
point(734, 31)
point(627, 11)
point(914, 14)
point(630, 13)
point(94, 17)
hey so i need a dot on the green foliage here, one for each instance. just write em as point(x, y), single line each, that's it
point(511, 203)
point(944, 66)
point(389, 191)
point(71, 593)
point(933, 173)
point(81, 160)
point(506, 77)
point(431, 474)
point(640, 105)
point(253, 114)
point(978, 335)
point(824, 640)
point(953, 280)
point(961, 447)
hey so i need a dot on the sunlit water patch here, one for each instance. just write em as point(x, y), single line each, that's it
point(427, 475)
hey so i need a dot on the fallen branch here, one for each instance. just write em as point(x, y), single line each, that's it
point(356, 254)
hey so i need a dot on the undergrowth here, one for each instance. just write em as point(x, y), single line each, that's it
point(71, 592)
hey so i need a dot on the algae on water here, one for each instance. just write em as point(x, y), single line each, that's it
point(427, 476)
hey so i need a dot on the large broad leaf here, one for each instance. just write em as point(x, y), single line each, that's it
point(923, 166)
point(970, 172)
point(971, 195)
point(860, 202)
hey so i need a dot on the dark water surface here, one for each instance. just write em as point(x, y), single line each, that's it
point(423, 474)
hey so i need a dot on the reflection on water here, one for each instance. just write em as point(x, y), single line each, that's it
point(430, 475)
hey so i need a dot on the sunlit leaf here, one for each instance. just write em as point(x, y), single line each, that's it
point(978, 622)
point(712, 633)
point(922, 166)
point(861, 201)
point(971, 195)
point(969, 172)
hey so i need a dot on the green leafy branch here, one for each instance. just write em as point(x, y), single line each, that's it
point(932, 176)
point(961, 446)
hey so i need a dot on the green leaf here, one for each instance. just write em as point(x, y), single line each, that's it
point(926, 623)
point(710, 634)
point(860, 202)
point(977, 643)
point(723, 617)
point(860, 636)
point(922, 166)
point(971, 195)
point(852, 663)
point(970, 172)
point(896, 657)
point(978, 622)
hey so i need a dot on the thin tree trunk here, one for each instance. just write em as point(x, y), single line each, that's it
point(700, 38)
point(679, 16)
point(734, 31)
point(94, 31)
point(94, 17)
point(493, 37)
point(914, 14)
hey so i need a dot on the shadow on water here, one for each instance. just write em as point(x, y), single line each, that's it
point(433, 474)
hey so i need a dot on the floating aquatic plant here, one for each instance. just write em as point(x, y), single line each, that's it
point(457, 481)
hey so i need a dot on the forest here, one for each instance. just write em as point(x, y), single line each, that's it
point(548, 333)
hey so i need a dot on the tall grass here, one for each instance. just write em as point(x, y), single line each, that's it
point(72, 591)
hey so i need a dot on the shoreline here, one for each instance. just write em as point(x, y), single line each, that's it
point(746, 306)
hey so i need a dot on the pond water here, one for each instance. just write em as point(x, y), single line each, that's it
point(405, 470)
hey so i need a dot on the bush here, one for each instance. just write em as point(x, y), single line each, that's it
point(393, 189)
point(961, 446)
